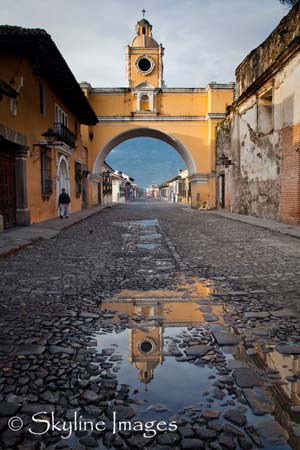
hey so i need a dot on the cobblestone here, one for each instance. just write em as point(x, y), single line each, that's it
point(59, 299)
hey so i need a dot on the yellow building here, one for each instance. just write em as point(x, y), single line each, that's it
point(185, 118)
point(177, 189)
point(37, 92)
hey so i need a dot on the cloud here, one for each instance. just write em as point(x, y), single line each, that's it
point(204, 39)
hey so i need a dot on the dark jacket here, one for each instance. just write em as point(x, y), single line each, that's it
point(64, 199)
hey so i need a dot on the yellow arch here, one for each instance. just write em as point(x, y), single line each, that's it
point(144, 132)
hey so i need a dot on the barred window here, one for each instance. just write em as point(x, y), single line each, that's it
point(46, 171)
point(107, 183)
point(78, 179)
point(42, 99)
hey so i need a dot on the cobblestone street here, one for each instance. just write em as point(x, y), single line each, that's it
point(149, 311)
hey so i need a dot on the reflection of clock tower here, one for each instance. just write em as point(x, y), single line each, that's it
point(145, 350)
point(144, 67)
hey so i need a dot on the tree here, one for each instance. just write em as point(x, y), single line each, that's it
point(289, 2)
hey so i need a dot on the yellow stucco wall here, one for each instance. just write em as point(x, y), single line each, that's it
point(136, 77)
point(30, 122)
point(181, 115)
point(184, 117)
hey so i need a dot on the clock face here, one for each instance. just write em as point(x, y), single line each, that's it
point(145, 65)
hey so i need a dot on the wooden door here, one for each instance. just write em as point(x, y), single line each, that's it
point(7, 190)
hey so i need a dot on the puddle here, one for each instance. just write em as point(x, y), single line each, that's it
point(149, 371)
point(145, 223)
point(193, 288)
point(150, 335)
point(171, 354)
point(147, 245)
point(142, 235)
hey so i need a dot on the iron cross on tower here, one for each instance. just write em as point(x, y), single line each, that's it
point(143, 12)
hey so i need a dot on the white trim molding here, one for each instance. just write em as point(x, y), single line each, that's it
point(146, 118)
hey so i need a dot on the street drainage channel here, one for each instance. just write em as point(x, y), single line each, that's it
point(173, 366)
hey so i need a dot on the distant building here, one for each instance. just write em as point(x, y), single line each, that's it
point(168, 190)
point(106, 184)
point(118, 187)
point(176, 189)
point(123, 187)
point(258, 144)
point(152, 191)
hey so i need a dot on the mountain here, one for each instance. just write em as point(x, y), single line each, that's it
point(147, 160)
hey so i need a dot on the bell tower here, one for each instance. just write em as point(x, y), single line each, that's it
point(144, 62)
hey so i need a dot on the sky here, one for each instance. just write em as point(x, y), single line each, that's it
point(204, 40)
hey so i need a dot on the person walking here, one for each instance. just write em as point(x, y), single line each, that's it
point(63, 204)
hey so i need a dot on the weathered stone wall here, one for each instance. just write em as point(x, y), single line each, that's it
point(260, 158)
point(252, 181)
point(274, 48)
point(264, 142)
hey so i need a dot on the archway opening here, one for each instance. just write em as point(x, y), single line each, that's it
point(149, 133)
point(148, 160)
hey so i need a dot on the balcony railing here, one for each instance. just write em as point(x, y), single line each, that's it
point(65, 134)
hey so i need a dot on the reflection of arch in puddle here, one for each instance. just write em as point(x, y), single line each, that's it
point(154, 310)
point(145, 327)
point(177, 313)
point(154, 315)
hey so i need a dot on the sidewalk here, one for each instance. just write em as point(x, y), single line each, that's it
point(20, 237)
point(268, 224)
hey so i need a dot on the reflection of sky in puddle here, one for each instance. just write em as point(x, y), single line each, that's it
point(150, 236)
point(158, 377)
point(145, 223)
point(158, 319)
point(182, 387)
point(174, 384)
point(147, 245)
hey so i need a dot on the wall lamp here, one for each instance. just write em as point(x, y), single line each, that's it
point(50, 137)
point(224, 161)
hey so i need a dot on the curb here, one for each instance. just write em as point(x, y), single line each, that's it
point(275, 228)
point(16, 248)
point(264, 227)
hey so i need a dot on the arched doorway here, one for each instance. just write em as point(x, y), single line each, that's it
point(63, 177)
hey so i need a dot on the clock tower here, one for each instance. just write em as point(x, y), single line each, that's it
point(144, 59)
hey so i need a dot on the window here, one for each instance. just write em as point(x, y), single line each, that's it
point(107, 183)
point(78, 179)
point(61, 116)
point(144, 30)
point(42, 99)
point(144, 103)
point(265, 112)
point(180, 187)
point(46, 172)
point(144, 64)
